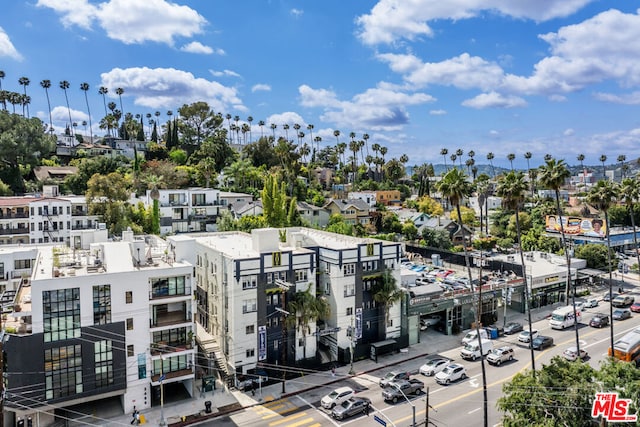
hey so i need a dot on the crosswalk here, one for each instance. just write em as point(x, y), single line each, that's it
point(284, 413)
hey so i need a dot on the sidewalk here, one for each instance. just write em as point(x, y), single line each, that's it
point(227, 401)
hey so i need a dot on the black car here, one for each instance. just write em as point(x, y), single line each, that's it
point(348, 408)
point(512, 328)
point(541, 342)
point(599, 320)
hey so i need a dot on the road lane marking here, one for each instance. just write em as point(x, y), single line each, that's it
point(320, 411)
point(289, 418)
point(475, 410)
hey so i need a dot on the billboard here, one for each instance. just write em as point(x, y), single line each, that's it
point(577, 226)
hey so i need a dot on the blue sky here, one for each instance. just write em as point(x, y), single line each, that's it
point(546, 76)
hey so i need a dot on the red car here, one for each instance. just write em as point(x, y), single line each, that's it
point(635, 307)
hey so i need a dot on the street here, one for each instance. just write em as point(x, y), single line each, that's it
point(460, 403)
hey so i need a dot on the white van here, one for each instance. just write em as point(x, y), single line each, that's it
point(473, 336)
point(472, 349)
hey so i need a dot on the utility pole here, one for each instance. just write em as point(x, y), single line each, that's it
point(352, 333)
point(426, 411)
point(2, 373)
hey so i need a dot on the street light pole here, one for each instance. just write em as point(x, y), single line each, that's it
point(351, 331)
point(413, 407)
point(162, 420)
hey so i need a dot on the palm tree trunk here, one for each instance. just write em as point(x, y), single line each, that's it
point(635, 238)
point(606, 219)
point(478, 306)
point(527, 297)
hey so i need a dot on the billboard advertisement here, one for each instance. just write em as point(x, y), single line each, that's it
point(577, 226)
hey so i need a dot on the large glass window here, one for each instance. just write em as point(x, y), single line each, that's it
point(61, 314)
point(171, 338)
point(167, 286)
point(170, 364)
point(63, 371)
point(101, 304)
point(103, 363)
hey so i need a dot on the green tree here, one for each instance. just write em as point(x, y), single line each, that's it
point(455, 187)
point(226, 221)
point(595, 254)
point(386, 293)
point(276, 209)
point(430, 206)
point(107, 196)
point(468, 215)
point(306, 308)
point(198, 122)
point(436, 238)
point(630, 191)
point(338, 225)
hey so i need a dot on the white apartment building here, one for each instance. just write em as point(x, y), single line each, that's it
point(100, 324)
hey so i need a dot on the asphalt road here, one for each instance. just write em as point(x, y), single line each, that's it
point(459, 404)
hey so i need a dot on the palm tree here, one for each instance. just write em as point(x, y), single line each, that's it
point(581, 160)
point(310, 129)
point(455, 187)
point(24, 82)
point(250, 120)
point(602, 196)
point(459, 153)
point(532, 175)
point(621, 159)
point(46, 84)
point(512, 188)
point(603, 158)
point(286, 130)
point(103, 91)
point(273, 127)
point(261, 124)
point(386, 292)
point(630, 191)
point(490, 157)
point(85, 87)
point(552, 176)
point(305, 308)
point(511, 157)
point(443, 153)
point(64, 85)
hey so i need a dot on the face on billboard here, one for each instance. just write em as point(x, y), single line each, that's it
point(591, 227)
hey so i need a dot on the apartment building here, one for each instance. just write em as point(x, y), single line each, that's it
point(112, 323)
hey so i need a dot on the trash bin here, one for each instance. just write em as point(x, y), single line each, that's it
point(143, 420)
point(207, 406)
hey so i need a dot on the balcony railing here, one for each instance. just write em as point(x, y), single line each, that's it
point(167, 318)
point(12, 215)
point(163, 347)
point(19, 230)
point(165, 292)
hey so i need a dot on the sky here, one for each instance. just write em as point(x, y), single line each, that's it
point(559, 77)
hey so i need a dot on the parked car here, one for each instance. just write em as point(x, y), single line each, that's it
point(622, 301)
point(430, 320)
point(353, 406)
point(635, 307)
point(393, 376)
point(571, 354)
point(253, 381)
point(622, 314)
point(499, 355)
point(433, 366)
point(591, 303)
point(541, 342)
point(451, 373)
point(396, 390)
point(524, 335)
point(512, 328)
point(336, 397)
point(608, 297)
point(599, 320)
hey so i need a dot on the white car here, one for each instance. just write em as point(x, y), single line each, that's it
point(591, 303)
point(451, 373)
point(524, 335)
point(433, 366)
point(571, 354)
point(336, 397)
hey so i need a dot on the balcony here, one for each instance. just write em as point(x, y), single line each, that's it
point(164, 347)
point(169, 292)
point(19, 230)
point(169, 314)
point(12, 215)
point(79, 212)
point(169, 375)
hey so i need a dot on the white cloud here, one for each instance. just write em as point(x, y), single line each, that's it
point(632, 98)
point(391, 20)
point(288, 117)
point(6, 47)
point(569, 132)
point(197, 47)
point(131, 22)
point(224, 73)
point(494, 99)
point(380, 108)
point(437, 112)
point(168, 87)
point(297, 12)
point(261, 87)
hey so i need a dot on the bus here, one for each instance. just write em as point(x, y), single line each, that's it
point(627, 348)
point(563, 317)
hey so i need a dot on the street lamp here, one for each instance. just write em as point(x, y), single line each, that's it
point(351, 334)
point(162, 420)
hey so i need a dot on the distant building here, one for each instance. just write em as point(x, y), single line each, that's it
point(316, 216)
point(354, 211)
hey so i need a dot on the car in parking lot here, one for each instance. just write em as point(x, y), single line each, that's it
point(512, 328)
point(430, 320)
point(499, 355)
point(571, 354)
point(524, 335)
point(451, 373)
point(433, 366)
point(336, 397)
point(541, 342)
point(599, 320)
point(394, 376)
point(621, 314)
point(608, 297)
point(622, 301)
point(353, 406)
point(635, 307)
point(591, 303)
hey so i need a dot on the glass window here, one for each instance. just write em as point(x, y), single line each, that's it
point(103, 363)
point(128, 297)
point(101, 304)
point(130, 324)
point(63, 371)
point(61, 314)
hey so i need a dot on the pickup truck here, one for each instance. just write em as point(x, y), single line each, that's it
point(393, 391)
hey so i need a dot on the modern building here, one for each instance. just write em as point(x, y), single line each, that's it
point(114, 322)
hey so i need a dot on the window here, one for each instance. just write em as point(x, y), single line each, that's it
point(130, 324)
point(249, 282)
point(349, 269)
point(167, 286)
point(63, 371)
point(22, 264)
point(300, 342)
point(103, 363)
point(369, 265)
point(170, 364)
point(128, 296)
point(350, 290)
point(101, 304)
point(250, 329)
point(249, 305)
point(251, 352)
point(275, 344)
point(276, 275)
point(349, 311)
point(61, 314)
point(1, 269)
point(301, 275)
point(130, 351)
